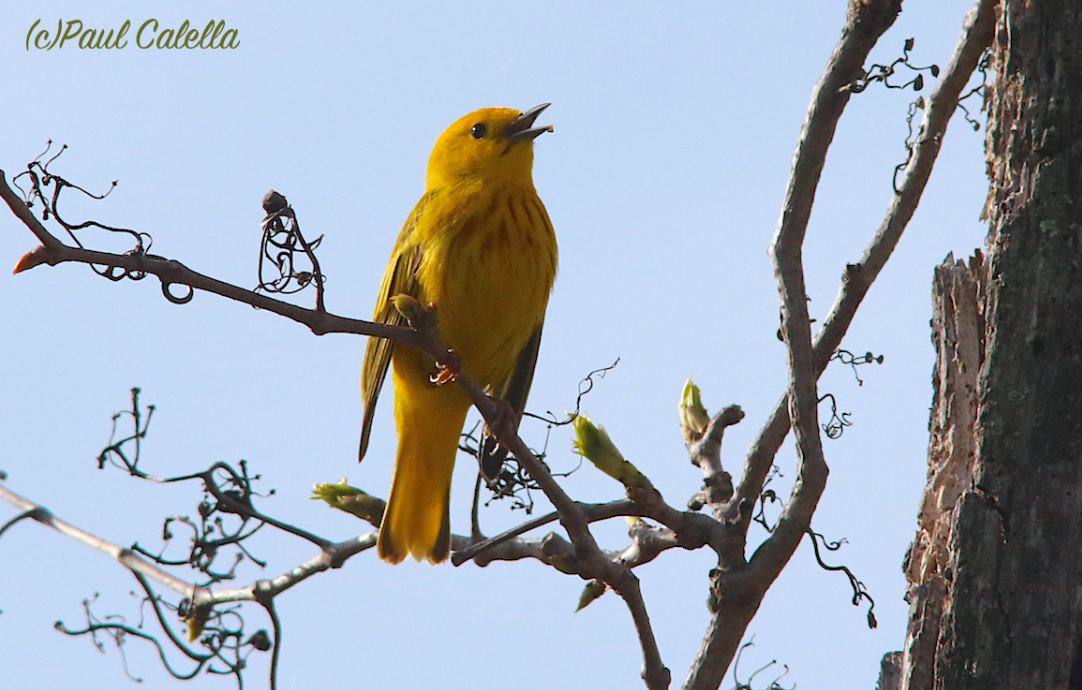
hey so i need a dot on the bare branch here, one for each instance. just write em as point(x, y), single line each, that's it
point(647, 543)
point(858, 278)
point(552, 550)
point(125, 557)
point(332, 556)
point(594, 513)
point(705, 454)
point(807, 363)
point(54, 252)
point(736, 592)
point(591, 560)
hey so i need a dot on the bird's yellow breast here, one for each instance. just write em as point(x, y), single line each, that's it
point(489, 262)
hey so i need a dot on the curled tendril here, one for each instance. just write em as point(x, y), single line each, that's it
point(767, 495)
point(854, 361)
point(177, 299)
point(224, 645)
point(837, 423)
point(226, 515)
point(859, 591)
point(911, 140)
point(747, 685)
point(45, 188)
point(980, 89)
point(585, 386)
point(514, 482)
point(883, 73)
point(283, 247)
point(227, 519)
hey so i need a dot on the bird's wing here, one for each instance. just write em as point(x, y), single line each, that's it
point(400, 278)
point(515, 391)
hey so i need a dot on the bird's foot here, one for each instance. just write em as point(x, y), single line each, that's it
point(446, 372)
point(504, 422)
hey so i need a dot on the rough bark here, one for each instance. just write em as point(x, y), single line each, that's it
point(890, 668)
point(958, 336)
point(1011, 612)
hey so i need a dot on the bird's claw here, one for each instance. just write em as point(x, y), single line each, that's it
point(445, 373)
point(486, 433)
point(443, 376)
point(504, 423)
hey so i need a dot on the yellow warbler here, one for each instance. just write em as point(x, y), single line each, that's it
point(478, 245)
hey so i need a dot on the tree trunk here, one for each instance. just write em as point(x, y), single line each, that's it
point(996, 570)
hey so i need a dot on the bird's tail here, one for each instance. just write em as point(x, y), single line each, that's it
point(417, 519)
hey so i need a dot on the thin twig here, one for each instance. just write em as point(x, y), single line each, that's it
point(332, 556)
point(32, 513)
point(267, 600)
point(595, 512)
point(461, 556)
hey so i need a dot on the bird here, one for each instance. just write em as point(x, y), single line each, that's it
point(480, 250)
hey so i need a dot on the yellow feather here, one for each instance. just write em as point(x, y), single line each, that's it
point(481, 247)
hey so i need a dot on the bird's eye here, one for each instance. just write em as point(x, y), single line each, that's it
point(479, 130)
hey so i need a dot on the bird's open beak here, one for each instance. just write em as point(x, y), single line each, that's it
point(520, 129)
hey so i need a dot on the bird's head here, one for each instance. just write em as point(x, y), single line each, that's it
point(490, 143)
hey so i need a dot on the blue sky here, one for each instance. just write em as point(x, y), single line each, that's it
point(674, 131)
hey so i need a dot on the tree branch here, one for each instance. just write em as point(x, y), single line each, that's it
point(332, 556)
point(591, 561)
point(125, 557)
point(858, 278)
point(705, 453)
point(720, 644)
point(53, 252)
point(736, 591)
